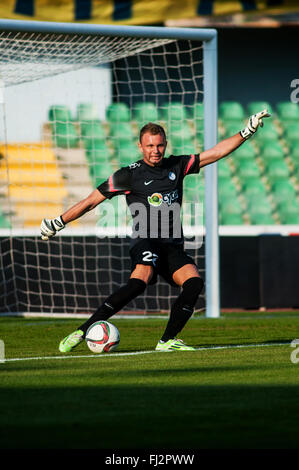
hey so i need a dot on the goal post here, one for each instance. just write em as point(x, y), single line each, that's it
point(150, 64)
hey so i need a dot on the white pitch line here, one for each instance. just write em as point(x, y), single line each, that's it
point(137, 353)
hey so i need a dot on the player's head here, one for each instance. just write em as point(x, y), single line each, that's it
point(152, 143)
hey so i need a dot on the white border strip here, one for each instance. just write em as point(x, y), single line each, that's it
point(122, 232)
point(137, 353)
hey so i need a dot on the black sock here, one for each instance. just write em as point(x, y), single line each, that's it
point(116, 302)
point(183, 307)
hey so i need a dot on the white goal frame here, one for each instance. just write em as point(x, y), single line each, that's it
point(209, 39)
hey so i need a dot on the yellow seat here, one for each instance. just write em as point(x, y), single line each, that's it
point(27, 154)
point(54, 194)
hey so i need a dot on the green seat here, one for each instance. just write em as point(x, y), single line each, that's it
point(232, 128)
point(4, 222)
point(260, 210)
point(277, 170)
point(294, 154)
point(196, 114)
point(231, 219)
point(262, 219)
point(128, 155)
point(283, 191)
point(174, 111)
point(268, 134)
point(224, 170)
point(87, 112)
point(118, 112)
point(231, 110)
point(181, 135)
point(271, 152)
point(254, 187)
point(245, 152)
point(92, 129)
point(145, 112)
point(248, 169)
point(121, 132)
point(187, 148)
point(287, 111)
point(98, 155)
point(226, 188)
point(99, 172)
point(64, 134)
point(230, 206)
point(291, 134)
point(289, 211)
point(257, 106)
point(59, 113)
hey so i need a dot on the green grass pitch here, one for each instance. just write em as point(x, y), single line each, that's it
point(243, 395)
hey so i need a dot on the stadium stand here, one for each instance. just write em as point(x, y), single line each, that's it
point(258, 184)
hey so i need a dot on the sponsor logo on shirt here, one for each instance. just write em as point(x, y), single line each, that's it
point(172, 176)
point(156, 199)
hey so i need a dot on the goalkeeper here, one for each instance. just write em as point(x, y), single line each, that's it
point(156, 248)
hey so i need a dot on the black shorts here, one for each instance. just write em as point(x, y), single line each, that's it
point(165, 258)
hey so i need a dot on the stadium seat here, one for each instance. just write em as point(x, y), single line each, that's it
point(92, 129)
point(87, 112)
point(231, 219)
point(260, 210)
point(248, 169)
point(187, 148)
point(128, 155)
point(256, 106)
point(262, 219)
point(99, 172)
point(118, 112)
point(174, 111)
point(181, 135)
point(145, 112)
point(232, 127)
point(245, 152)
point(231, 111)
point(271, 152)
point(121, 132)
point(277, 170)
point(64, 135)
point(294, 154)
point(226, 188)
point(268, 134)
point(224, 170)
point(283, 191)
point(98, 155)
point(59, 113)
point(254, 187)
point(291, 134)
point(289, 211)
point(287, 112)
point(4, 221)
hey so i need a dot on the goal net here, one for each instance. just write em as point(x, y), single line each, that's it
point(72, 105)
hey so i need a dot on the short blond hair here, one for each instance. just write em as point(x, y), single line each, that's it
point(153, 129)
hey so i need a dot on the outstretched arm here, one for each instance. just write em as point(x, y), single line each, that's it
point(226, 146)
point(49, 227)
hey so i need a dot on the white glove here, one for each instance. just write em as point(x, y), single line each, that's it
point(254, 122)
point(49, 227)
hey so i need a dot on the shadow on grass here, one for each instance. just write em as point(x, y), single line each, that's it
point(145, 417)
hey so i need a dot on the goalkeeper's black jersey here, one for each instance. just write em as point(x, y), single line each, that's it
point(154, 195)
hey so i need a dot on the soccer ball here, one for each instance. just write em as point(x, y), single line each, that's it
point(102, 336)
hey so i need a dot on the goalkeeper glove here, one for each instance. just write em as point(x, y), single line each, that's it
point(253, 123)
point(49, 227)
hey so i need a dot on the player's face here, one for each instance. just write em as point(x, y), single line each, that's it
point(153, 148)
